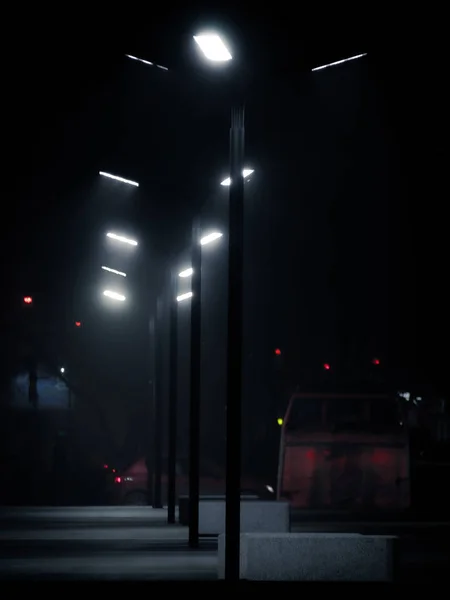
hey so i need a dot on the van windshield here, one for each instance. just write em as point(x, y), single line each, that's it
point(362, 414)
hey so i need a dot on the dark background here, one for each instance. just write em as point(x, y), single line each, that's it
point(346, 253)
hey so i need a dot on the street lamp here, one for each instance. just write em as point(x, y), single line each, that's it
point(62, 370)
point(114, 295)
point(234, 344)
point(121, 273)
point(117, 178)
point(215, 50)
point(121, 238)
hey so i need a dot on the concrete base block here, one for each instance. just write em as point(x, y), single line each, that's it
point(256, 515)
point(313, 557)
point(183, 504)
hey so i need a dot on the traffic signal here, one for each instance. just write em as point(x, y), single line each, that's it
point(278, 352)
point(28, 300)
point(326, 366)
point(376, 361)
point(77, 323)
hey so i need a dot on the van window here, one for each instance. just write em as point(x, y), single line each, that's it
point(306, 413)
point(346, 413)
point(374, 415)
point(385, 414)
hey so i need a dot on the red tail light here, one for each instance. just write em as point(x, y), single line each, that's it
point(117, 479)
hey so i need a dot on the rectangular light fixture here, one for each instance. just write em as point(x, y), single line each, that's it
point(121, 273)
point(117, 178)
point(213, 47)
point(146, 62)
point(114, 295)
point(184, 296)
point(186, 272)
point(211, 237)
point(245, 173)
point(339, 62)
point(121, 238)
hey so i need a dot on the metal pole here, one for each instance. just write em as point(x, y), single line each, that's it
point(149, 460)
point(194, 416)
point(173, 402)
point(158, 412)
point(32, 382)
point(234, 350)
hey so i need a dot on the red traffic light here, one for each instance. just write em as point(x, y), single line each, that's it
point(326, 366)
point(376, 361)
point(28, 300)
point(77, 323)
point(277, 351)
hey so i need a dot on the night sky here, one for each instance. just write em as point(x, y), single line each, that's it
point(345, 256)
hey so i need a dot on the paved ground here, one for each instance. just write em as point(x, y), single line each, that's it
point(116, 543)
point(99, 543)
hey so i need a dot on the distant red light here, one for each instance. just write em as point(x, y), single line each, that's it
point(77, 323)
point(376, 361)
point(311, 454)
point(326, 366)
point(105, 466)
point(118, 479)
point(278, 352)
point(28, 300)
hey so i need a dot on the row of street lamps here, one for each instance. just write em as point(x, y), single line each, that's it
point(206, 239)
point(214, 50)
point(226, 182)
point(199, 240)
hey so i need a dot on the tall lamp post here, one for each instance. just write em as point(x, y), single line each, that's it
point(173, 400)
point(158, 405)
point(149, 460)
point(214, 49)
point(194, 412)
point(234, 346)
point(174, 299)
